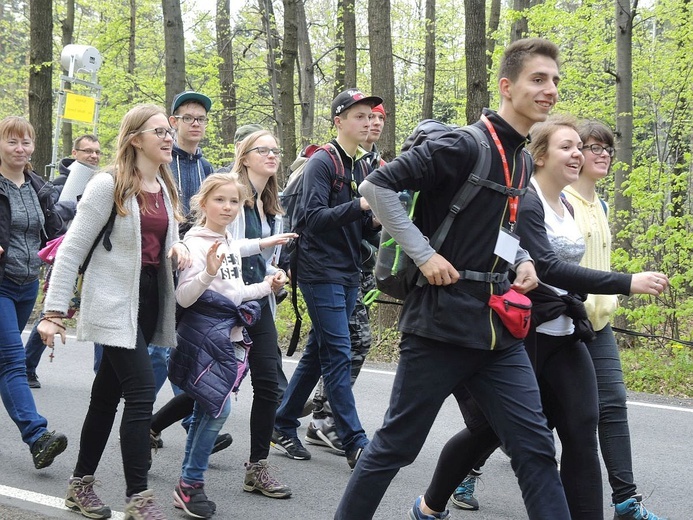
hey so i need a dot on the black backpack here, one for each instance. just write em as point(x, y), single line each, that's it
point(395, 273)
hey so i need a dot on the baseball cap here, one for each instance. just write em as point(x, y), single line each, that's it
point(380, 108)
point(190, 95)
point(244, 131)
point(350, 97)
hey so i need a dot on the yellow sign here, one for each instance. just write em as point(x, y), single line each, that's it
point(79, 108)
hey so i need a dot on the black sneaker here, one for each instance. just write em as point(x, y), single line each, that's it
point(223, 441)
point(193, 500)
point(353, 457)
point(322, 432)
point(33, 381)
point(46, 448)
point(291, 446)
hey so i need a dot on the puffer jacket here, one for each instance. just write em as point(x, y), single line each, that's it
point(205, 365)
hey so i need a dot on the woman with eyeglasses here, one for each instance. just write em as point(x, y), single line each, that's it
point(258, 158)
point(591, 214)
point(127, 301)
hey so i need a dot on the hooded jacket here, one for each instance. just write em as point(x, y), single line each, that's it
point(207, 364)
point(189, 170)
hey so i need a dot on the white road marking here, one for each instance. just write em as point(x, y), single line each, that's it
point(44, 500)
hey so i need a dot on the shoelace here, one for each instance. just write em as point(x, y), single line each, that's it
point(147, 508)
point(265, 477)
point(87, 496)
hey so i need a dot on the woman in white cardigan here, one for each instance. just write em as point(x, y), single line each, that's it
point(127, 301)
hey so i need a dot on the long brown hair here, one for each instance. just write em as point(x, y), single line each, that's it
point(128, 179)
point(15, 126)
point(270, 195)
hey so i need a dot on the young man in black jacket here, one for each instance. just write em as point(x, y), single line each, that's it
point(328, 265)
point(450, 336)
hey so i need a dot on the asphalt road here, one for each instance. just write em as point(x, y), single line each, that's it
point(661, 435)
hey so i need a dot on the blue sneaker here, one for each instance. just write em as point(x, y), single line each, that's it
point(463, 497)
point(415, 513)
point(633, 509)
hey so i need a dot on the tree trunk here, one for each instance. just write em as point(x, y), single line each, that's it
point(174, 43)
point(429, 61)
point(40, 82)
point(382, 70)
point(339, 72)
point(475, 53)
point(493, 23)
point(227, 90)
point(268, 24)
point(624, 119)
point(67, 24)
point(306, 78)
point(350, 44)
point(286, 92)
point(519, 28)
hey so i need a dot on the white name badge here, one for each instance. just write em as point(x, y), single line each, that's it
point(507, 245)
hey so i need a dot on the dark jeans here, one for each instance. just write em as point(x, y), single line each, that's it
point(614, 434)
point(126, 373)
point(263, 359)
point(504, 385)
point(16, 303)
point(327, 353)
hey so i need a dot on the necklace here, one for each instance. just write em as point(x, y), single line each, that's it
point(156, 199)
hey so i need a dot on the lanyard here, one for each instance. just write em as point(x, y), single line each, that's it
point(513, 201)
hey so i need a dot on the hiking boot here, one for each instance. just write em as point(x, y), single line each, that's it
point(291, 446)
point(222, 442)
point(33, 381)
point(46, 448)
point(82, 499)
point(322, 432)
point(193, 500)
point(353, 457)
point(415, 513)
point(258, 478)
point(463, 497)
point(633, 509)
point(141, 506)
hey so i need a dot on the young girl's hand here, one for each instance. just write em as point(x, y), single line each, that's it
point(213, 261)
point(277, 240)
point(278, 280)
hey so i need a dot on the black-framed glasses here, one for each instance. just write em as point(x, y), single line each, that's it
point(188, 119)
point(88, 151)
point(598, 149)
point(265, 151)
point(160, 132)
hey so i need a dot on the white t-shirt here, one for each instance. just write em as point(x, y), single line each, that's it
point(569, 245)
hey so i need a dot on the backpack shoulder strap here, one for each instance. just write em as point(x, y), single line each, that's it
point(480, 172)
point(105, 233)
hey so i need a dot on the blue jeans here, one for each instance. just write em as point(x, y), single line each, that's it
point(201, 437)
point(614, 434)
point(16, 303)
point(159, 356)
point(327, 353)
point(502, 382)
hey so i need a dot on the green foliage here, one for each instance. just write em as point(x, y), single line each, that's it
point(659, 371)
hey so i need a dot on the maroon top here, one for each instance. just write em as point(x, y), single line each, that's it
point(154, 221)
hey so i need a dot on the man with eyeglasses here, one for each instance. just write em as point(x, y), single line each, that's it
point(189, 120)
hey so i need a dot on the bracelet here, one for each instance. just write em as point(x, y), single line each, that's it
point(48, 319)
point(183, 244)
